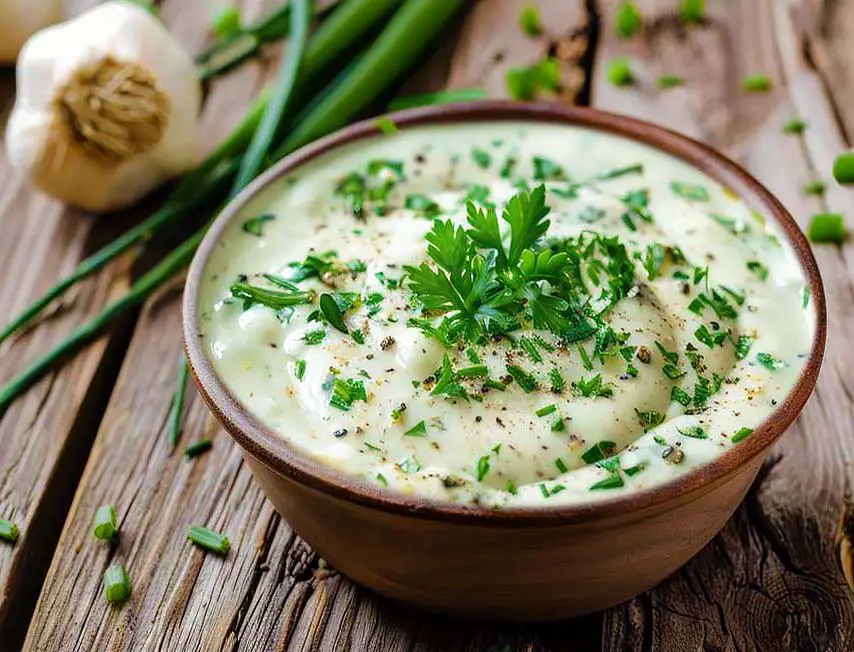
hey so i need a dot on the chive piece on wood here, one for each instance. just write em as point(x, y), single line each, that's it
point(795, 126)
point(197, 448)
point(116, 584)
point(105, 523)
point(669, 81)
point(843, 168)
point(620, 72)
point(8, 531)
point(756, 84)
point(692, 11)
point(814, 187)
point(226, 22)
point(826, 227)
point(208, 539)
point(178, 404)
point(529, 21)
point(628, 20)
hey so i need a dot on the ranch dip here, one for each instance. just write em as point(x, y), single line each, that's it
point(505, 314)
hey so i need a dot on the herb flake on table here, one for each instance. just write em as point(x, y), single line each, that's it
point(843, 168)
point(117, 586)
point(627, 20)
point(105, 523)
point(826, 227)
point(529, 21)
point(8, 531)
point(619, 72)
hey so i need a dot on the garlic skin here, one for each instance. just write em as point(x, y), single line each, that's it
point(106, 108)
point(20, 19)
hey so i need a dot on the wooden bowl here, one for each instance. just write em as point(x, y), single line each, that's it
point(522, 563)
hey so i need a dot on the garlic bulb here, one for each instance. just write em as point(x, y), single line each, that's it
point(106, 108)
point(20, 19)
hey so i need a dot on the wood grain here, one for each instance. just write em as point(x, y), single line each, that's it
point(771, 580)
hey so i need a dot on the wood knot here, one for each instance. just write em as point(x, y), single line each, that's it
point(113, 110)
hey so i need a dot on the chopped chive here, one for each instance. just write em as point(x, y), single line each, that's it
point(769, 361)
point(472, 355)
point(756, 84)
point(758, 268)
point(208, 539)
point(694, 432)
point(418, 430)
point(742, 346)
point(299, 369)
point(795, 126)
point(105, 523)
point(843, 168)
point(529, 21)
point(619, 72)
point(634, 470)
point(628, 20)
point(345, 392)
point(8, 531)
point(440, 97)
point(599, 451)
point(692, 11)
point(558, 425)
point(116, 584)
point(386, 125)
point(226, 22)
point(815, 187)
point(525, 380)
point(510, 487)
point(557, 381)
point(679, 395)
point(481, 158)
point(197, 448)
point(525, 83)
point(561, 466)
point(689, 191)
point(546, 410)
point(382, 480)
point(805, 297)
point(330, 309)
point(475, 371)
point(669, 81)
point(530, 349)
point(482, 467)
point(255, 225)
point(826, 227)
point(585, 359)
point(612, 482)
point(740, 434)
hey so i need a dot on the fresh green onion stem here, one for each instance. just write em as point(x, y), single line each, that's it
point(116, 584)
point(208, 539)
point(197, 448)
point(440, 97)
point(105, 523)
point(178, 404)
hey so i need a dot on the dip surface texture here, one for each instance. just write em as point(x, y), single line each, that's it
point(648, 322)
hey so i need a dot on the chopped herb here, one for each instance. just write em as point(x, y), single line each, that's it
point(386, 125)
point(585, 359)
point(669, 81)
point(274, 299)
point(525, 380)
point(769, 361)
point(593, 388)
point(627, 20)
point(795, 126)
point(525, 83)
point(475, 371)
point(345, 392)
point(649, 418)
point(530, 349)
point(843, 168)
point(736, 227)
point(545, 346)
point(409, 465)
point(558, 425)
point(329, 308)
point(529, 21)
point(197, 448)
point(8, 531)
point(472, 355)
point(481, 158)
point(611, 482)
point(116, 584)
point(545, 410)
point(422, 205)
point(689, 191)
point(418, 430)
point(827, 227)
point(255, 225)
point(756, 84)
point(634, 470)
point(702, 392)
point(598, 452)
point(701, 273)
point(382, 479)
point(547, 170)
point(314, 337)
point(544, 490)
point(105, 523)
point(209, 540)
point(709, 338)
point(742, 346)
point(557, 382)
point(447, 384)
point(654, 259)
point(805, 297)
point(815, 187)
point(679, 395)
point(758, 268)
point(694, 432)
point(510, 488)
point(692, 11)
point(740, 434)
point(439, 97)
point(619, 72)
point(225, 22)
point(482, 467)
point(358, 337)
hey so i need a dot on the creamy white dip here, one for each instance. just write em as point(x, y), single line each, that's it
point(710, 334)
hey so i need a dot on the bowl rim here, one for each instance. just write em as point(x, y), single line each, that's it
point(283, 458)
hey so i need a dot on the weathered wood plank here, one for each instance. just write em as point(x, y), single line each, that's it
point(271, 592)
point(771, 579)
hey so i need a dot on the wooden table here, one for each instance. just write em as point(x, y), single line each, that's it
point(93, 431)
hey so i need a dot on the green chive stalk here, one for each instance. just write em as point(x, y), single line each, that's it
point(404, 39)
point(178, 404)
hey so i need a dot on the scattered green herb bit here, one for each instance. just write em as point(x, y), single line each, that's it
point(689, 191)
point(669, 81)
point(226, 22)
point(619, 72)
point(422, 204)
point(795, 126)
point(313, 266)
point(314, 337)
point(274, 299)
point(740, 434)
point(558, 425)
point(525, 83)
point(418, 430)
point(611, 482)
point(585, 359)
point(679, 395)
point(545, 410)
point(598, 452)
point(475, 371)
point(593, 388)
point(116, 584)
point(332, 312)
point(530, 349)
point(702, 392)
point(670, 356)
point(105, 523)
point(843, 168)
point(658, 439)
point(738, 297)
point(758, 268)
point(736, 227)
point(634, 470)
point(692, 11)
point(815, 187)
point(382, 479)
point(544, 490)
point(557, 382)
point(742, 346)
point(197, 448)
point(208, 539)
point(345, 392)
point(694, 432)
point(255, 225)
point(628, 20)
point(386, 125)
point(481, 157)
point(482, 467)
point(525, 380)
point(700, 273)
point(358, 337)
point(409, 465)
point(356, 266)
point(373, 447)
point(756, 84)
point(447, 384)
point(545, 346)
point(805, 297)
point(649, 418)
point(827, 227)
point(709, 338)
point(547, 170)
point(769, 361)
point(472, 355)
point(529, 21)
point(8, 531)
point(439, 97)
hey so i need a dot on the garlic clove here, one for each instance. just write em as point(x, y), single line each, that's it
point(20, 19)
point(106, 109)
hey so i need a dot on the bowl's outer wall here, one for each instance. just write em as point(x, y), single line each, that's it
point(508, 573)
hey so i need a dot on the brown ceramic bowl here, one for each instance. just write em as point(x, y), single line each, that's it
point(523, 563)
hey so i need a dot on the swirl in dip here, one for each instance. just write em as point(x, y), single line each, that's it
point(593, 316)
